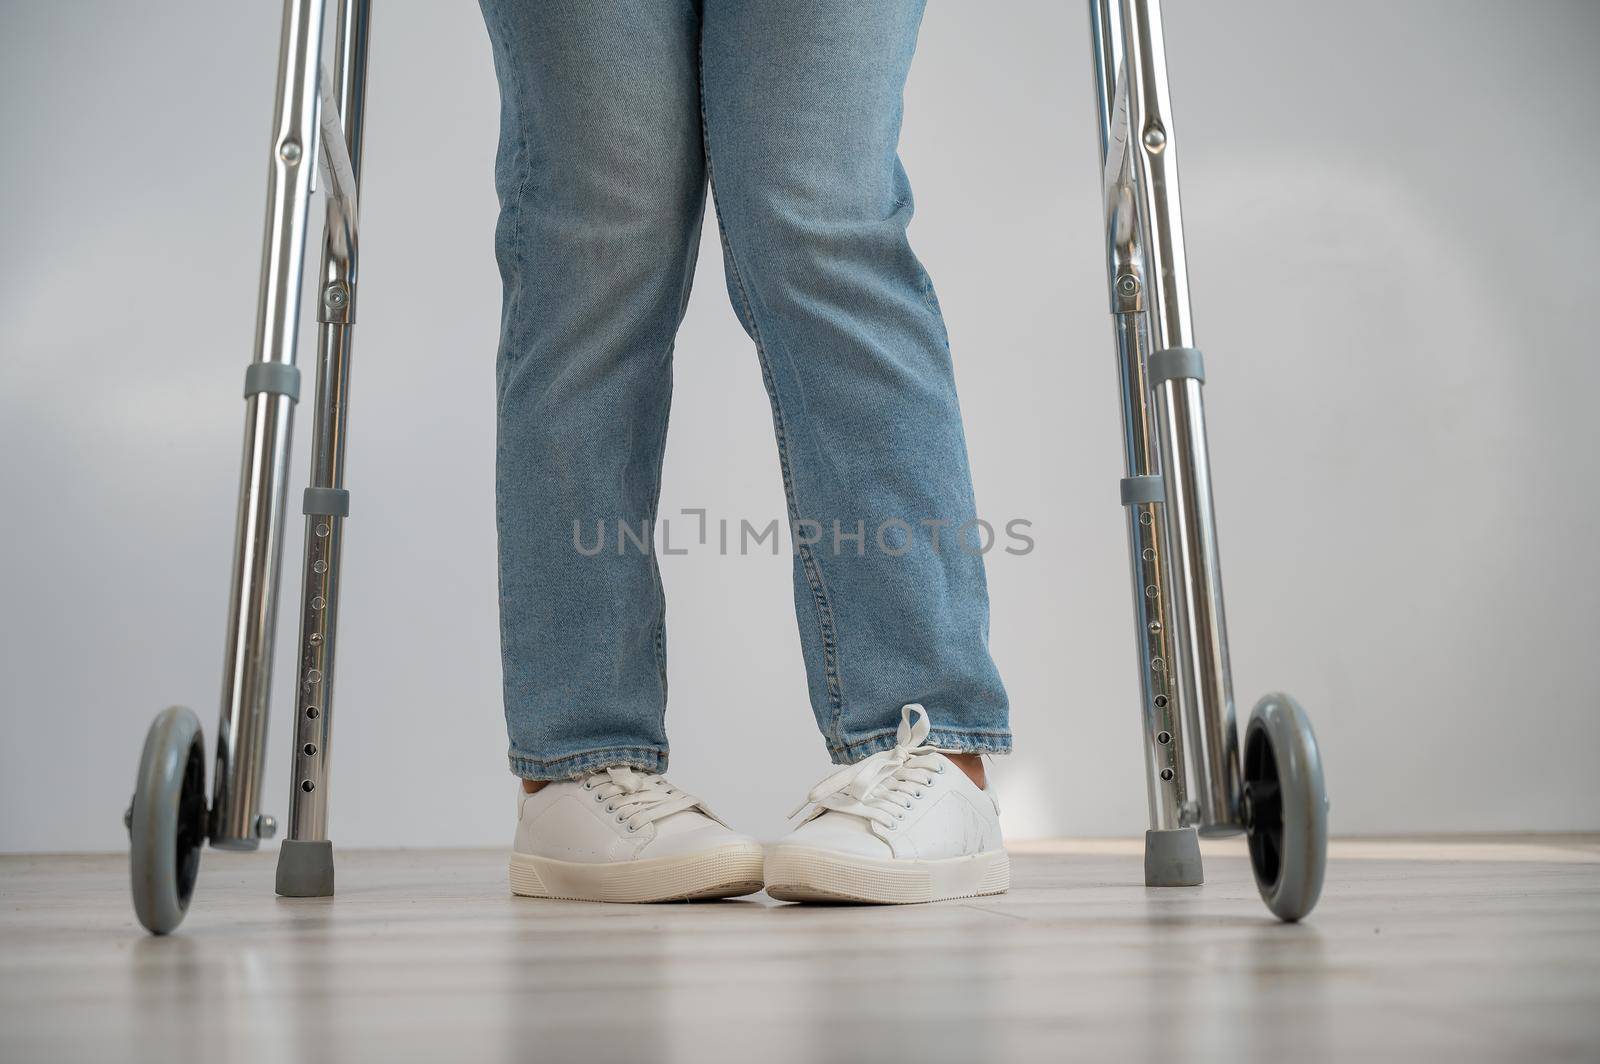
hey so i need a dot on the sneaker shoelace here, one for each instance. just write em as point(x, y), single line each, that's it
point(637, 798)
point(881, 788)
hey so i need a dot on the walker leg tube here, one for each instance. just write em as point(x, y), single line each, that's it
point(326, 506)
point(1164, 769)
point(1206, 681)
point(271, 389)
point(1141, 489)
point(1175, 373)
point(305, 863)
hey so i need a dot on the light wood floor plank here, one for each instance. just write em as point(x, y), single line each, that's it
point(1453, 949)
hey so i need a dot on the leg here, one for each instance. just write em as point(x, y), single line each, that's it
point(271, 387)
point(168, 820)
point(1172, 850)
point(601, 182)
point(802, 111)
point(305, 860)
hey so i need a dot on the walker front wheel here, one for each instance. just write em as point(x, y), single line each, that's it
point(167, 820)
point(1285, 806)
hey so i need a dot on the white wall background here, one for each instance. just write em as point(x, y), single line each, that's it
point(1395, 244)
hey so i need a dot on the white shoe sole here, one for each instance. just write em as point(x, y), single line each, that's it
point(795, 873)
point(726, 872)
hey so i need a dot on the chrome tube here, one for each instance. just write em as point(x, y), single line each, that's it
point(1205, 685)
point(258, 538)
point(1165, 778)
point(1155, 162)
point(319, 608)
point(1165, 786)
point(1205, 677)
point(1105, 35)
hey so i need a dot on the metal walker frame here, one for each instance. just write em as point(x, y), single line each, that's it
point(318, 116)
point(1277, 793)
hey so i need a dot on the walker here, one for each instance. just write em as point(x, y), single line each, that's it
point(1276, 795)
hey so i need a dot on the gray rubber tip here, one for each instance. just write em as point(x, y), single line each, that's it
point(305, 869)
point(1171, 859)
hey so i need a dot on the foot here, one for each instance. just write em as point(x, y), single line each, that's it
point(627, 836)
point(905, 825)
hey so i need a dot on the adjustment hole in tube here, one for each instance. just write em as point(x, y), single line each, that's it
point(307, 786)
point(311, 748)
point(1166, 774)
point(311, 712)
point(1162, 737)
point(1161, 702)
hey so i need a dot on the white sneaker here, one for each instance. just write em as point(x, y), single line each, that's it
point(628, 836)
point(905, 825)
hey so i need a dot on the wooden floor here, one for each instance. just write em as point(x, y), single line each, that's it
point(1421, 949)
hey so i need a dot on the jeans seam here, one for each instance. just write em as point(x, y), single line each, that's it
point(661, 594)
point(508, 340)
point(655, 494)
point(523, 172)
point(808, 563)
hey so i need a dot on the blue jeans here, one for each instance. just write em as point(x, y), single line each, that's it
point(616, 115)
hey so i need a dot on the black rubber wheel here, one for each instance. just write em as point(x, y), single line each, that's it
point(167, 821)
point(1285, 805)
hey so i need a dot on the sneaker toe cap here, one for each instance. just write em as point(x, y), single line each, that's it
point(699, 840)
point(839, 835)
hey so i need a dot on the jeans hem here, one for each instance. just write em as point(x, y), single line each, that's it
point(648, 758)
point(951, 740)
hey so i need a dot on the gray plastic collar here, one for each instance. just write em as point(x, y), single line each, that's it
point(279, 378)
point(1136, 490)
point(1175, 363)
point(333, 502)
